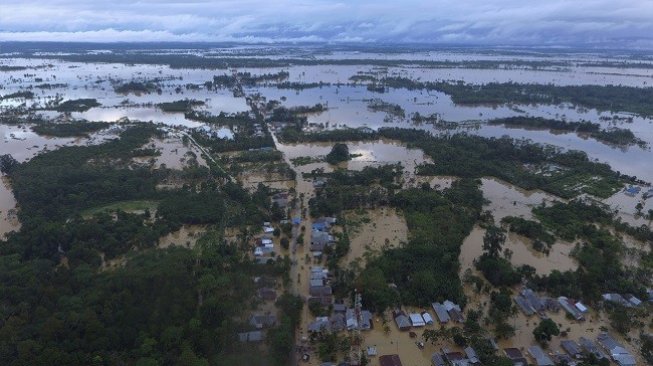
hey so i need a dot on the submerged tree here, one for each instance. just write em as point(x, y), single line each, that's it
point(339, 153)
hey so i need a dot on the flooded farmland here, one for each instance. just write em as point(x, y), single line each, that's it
point(222, 118)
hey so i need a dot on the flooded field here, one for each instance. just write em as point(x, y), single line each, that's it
point(522, 253)
point(371, 231)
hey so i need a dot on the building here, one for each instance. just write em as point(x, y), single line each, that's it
point(455, 358)
point(570, 308)
point(533, 300)
point(581, 307)
point(561, 358)
point(337, 322)
point(437, 360)
point(524, 305)
point(339, 308)
point(390, 360)
point(260, 321)
point(252, 336)
point(416, 320)
point(540, 358)
point(616, 299)
point(617, 352)
point(572, 348)
point(516, 356)
point(441, 312)
point(633, 300)
point(320, 324)
point(591, 347)
point(402, 321)
point(427, 318)
point(455, 313)
point(267, 294)
point(471, 356)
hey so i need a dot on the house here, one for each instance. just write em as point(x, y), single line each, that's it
point(533, 300)
point(260, 321)
point(441, 312)
point(471, 355)
point(455, 358)
point(524, 305)
point(540, 358)
point(455, 313)
point(437, 360)
point(581, 307)
point(320, 324)
point(427, 318)
point(320, 240)
point(416, 320)
point(570, 308)
point(616, 299)
point(632, 191)
point(390, 360)
point(617, 352)
point(402, 321)
point(366, 320)
point(591, 347)
point(560, 358)
point(267, 294)
point(252, 336)
point(338, 322)
point(633, 300)
point(353, 323)
point(572, 348)
point(339, 308)
point(371, 351)
point(515, 355)
point(320, 291)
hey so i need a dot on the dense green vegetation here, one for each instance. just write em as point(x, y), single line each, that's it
point(348, 189)
point(617, 136)
point(426, 268)
point(598, 253)
point(520, 162)
point(69, 129)
point(182, 106)
point(77, 105)
point(606, 98)
point(542, 240)
point(291, 134)
point(338, 154)
point(20, 94)
point(136, 87)
point(174, 306)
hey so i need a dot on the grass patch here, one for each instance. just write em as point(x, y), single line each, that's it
point(127, 206)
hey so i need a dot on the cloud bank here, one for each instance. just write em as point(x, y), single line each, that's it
point(496, 22)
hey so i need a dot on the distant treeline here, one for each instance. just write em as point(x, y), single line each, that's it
point(606, 98)
point(617, 136)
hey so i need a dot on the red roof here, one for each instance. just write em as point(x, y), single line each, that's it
point(390, 360)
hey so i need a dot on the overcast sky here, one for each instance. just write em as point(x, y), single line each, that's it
point(497, 22)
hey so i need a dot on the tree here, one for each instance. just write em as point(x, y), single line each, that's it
point(493, 241)
point(7, 163)
point(545, 330)
point(285, 243)
point(647, 348)
point(339, 153)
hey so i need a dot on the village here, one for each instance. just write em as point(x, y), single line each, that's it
point(397, 337)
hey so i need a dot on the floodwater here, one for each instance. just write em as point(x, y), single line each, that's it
point(509, 200)
point(522, 253)
point(374, 231)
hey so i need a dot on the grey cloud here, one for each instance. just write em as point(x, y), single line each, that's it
point(435, 21)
